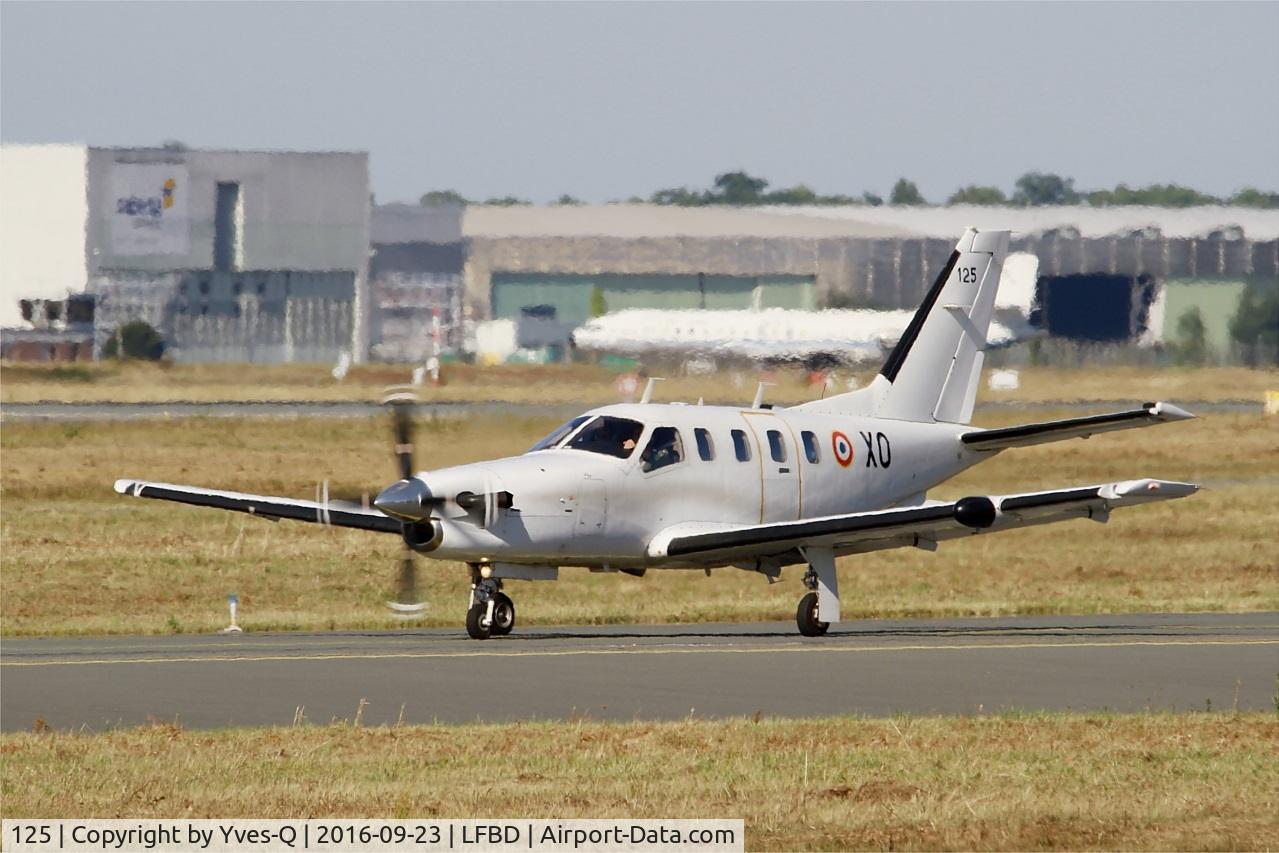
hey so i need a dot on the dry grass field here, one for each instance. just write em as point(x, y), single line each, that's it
point(1032, 782)
point(580, 383)
point(77, 558)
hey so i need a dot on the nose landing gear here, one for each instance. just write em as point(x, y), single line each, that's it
point(492, 613)
point(503, 615)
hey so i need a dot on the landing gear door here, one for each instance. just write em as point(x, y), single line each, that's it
point(592, 509)
point(779, 467)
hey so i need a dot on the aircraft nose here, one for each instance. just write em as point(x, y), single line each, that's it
point(405, 499)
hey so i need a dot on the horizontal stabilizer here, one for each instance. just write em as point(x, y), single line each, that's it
point(1042, 433)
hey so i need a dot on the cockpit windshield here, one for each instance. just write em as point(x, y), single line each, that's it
point(560, 433)
point(608, 435)
point(601, 434)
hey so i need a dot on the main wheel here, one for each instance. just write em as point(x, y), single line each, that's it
point(806, 617)
point(503, 615)
point(475, 621)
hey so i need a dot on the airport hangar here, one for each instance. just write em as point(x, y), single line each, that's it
point(281, 256)
point(1109, 275)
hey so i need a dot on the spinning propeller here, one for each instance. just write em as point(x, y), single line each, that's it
point(406, 602)
point(411, 501)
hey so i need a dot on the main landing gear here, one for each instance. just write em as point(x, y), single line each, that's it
point(820, 605)
point(492, 613)
point(806, 617)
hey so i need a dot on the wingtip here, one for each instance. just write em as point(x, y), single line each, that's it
point(1170, 412)
point(122, 486)
point(1149, 488)
point(1173, 488)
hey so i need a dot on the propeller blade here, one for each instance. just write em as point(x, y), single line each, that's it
point(402, 404)
point(406, 604)
point(405, 499)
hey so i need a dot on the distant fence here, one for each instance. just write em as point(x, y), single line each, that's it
point(251, 316)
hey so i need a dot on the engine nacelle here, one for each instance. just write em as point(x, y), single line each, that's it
point(423, 536)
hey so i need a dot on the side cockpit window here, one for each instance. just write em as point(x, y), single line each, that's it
point(664, 448)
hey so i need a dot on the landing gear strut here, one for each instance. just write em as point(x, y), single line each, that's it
point(822, 598)
point(492, 613)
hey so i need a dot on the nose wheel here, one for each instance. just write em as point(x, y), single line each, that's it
point(503, 615)
point(492, 613)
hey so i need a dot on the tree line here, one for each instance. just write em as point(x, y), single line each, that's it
point(1033, 189)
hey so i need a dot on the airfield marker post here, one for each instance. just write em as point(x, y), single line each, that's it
point(233, 601)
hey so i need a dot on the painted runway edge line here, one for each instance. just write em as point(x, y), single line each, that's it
point(639, 651)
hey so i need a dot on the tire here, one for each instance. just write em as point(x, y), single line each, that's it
point(806, 617)
point(503, 615)
point(474, 622)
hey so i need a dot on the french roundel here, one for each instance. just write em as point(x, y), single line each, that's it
point(843, 448)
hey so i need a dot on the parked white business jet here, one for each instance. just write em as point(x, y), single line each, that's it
point(670, 486)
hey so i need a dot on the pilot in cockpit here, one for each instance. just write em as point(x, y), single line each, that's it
point(612, 436)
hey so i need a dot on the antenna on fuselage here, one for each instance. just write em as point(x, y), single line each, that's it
point(758, 402)
point(647, 396)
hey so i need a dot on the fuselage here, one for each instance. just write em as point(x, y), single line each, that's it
point(590, 499)
point(771, 334)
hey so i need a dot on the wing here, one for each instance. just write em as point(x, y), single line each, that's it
point(335, 513)
point(1041, 433)
point(922, 526)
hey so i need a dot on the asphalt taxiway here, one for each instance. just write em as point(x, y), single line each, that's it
point(1177, 662)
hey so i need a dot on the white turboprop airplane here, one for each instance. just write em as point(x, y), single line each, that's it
point(646, 486)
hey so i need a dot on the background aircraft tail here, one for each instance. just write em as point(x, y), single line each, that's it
point(933, 372)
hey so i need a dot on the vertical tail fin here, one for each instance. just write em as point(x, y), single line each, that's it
point(933, 372)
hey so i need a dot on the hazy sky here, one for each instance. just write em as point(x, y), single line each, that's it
point(605, 101)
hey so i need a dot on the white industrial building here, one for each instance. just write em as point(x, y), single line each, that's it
point(232, 255)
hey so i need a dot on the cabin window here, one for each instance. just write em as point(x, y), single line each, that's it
point(664, 448)
point(610, 436)
point(776, 446)
point(705, 446)
point(810, 447)
point(741, 446)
